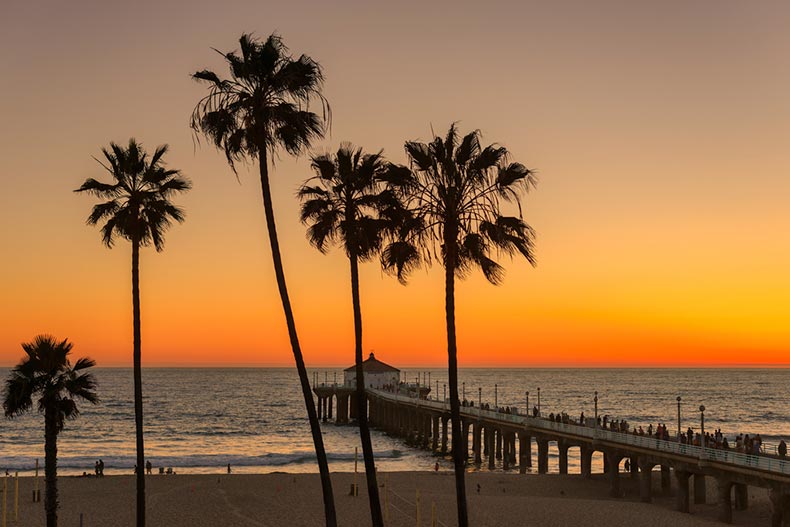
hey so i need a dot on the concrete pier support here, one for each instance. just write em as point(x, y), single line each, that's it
point(505, 452)
point(330, 407)
point(529, 450)
point(522, 452)
point(585, 453)
point(646, 481)
point(682, 497)
point(477, 446)
point(512, 451)
point(486, 432)
point(498, 443)
point(435, 433)
point(634, 462)
point(465, 439)
point(700, 490)
point(491, 461)
point(725, 500)
point(741, 497)
point(444, 435)
point(352, 414)
point(780, 508)
point(666, 482)
point(543, 455)
point(562, 447)
point(614, 473)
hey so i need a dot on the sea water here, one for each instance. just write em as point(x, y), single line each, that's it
point(199, 420)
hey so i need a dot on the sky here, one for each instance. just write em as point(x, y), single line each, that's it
point(659, 132)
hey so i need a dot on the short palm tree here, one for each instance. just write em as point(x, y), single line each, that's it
point(138, 209)
point(347, 203)
point(455, 189)
point(46, 372)
point(263, 108)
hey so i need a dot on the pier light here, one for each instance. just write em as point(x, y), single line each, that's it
point(596, 409)
point(496, 398)
point(538, 401)
point(429, 379)
point(335, 378)
point(445, 392)
point(463, 390)
point(679, 430)
point(326, 377)
point(437, 388)
point(479, 397)
point(528, 412)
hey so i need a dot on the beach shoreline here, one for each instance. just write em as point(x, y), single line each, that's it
point(288, 498)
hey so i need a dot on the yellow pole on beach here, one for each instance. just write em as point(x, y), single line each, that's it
point(16, 497)
point(433, 513)
point(418, 508)
point(35, 488)
point(386, 498)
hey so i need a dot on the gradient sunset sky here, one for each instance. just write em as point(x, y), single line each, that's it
point(660, 132)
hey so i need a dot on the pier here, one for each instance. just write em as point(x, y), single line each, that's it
point(519, 440)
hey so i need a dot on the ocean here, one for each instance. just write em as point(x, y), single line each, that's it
point(199, 420)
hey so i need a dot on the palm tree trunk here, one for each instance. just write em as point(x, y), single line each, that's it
point(51, 467)
point(459, 456)
point(362, 406)
point(138, 384)
point(312, 415)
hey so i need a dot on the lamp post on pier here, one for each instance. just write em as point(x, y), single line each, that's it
point(702, 431)
point(480, 398)
point(429, 379)
point(437, 388)
point(679, 431)
point(445, 392)
point(326, 377)
point(596, 410)
point(496, 398)
point(335, 378)
point(527, 394)
point(539, 401)
point(463, 391)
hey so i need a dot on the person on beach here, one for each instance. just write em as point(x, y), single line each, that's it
point(148, 467)
point(96, 468)
point(101, 468)
point(228, 468)
point(782, 448)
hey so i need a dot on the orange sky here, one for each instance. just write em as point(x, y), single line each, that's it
point(660, 134)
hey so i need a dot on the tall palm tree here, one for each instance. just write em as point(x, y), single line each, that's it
point(347, 203)
point(455, 189)
point(264, 107)
point(138, 209)
point(47, 372)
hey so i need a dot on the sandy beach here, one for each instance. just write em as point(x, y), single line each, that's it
point(271, 500)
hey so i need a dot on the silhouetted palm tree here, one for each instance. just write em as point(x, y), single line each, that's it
point(264, 107)
point(139, 210)
point(47, 372)
point(454, 190)
point(347, 203)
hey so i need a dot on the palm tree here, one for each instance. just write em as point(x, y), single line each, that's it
point(455, 190)
point(264, 107)
point(138, 209)
point(48, 373)
point(347, 203)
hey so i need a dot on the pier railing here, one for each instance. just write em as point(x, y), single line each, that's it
point(759, 462)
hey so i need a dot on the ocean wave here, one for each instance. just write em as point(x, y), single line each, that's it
point(271, 459)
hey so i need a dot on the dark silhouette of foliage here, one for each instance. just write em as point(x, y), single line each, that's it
point(46, 372)
point(455, 190)
point(138, 209)
point(264, 107)
point(347, 203)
